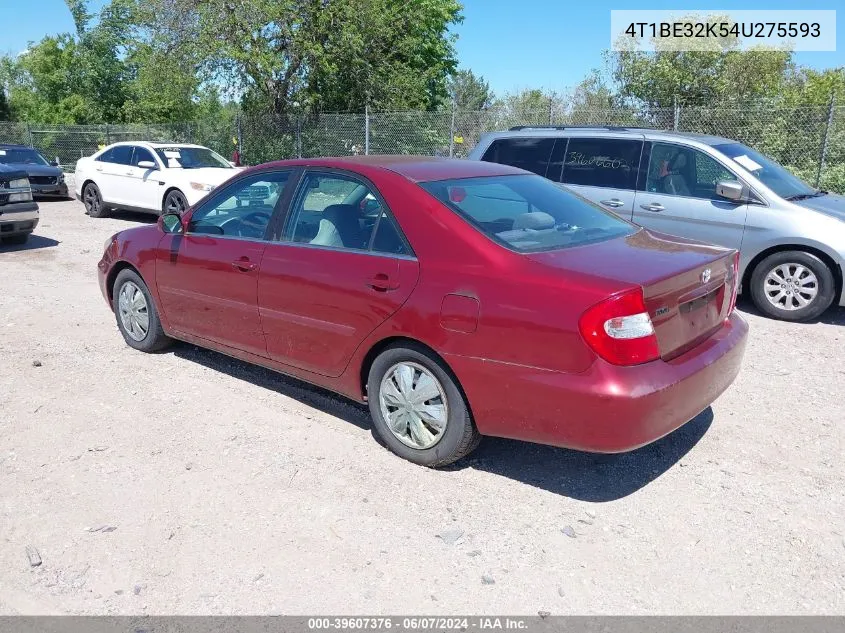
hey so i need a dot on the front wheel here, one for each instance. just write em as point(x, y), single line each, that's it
point(418, 409)
point(792, 286)
point(137, 317)
point(174, 202)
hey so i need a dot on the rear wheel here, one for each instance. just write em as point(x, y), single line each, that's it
point(93, 201)
point(418, 409)
point(137, 317)
point(174, 202)
point(792, 286)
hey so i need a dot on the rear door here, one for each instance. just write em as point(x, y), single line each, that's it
point(207, 278)
point(678, 196)
point(110, 173)
point(341, 268)
point(602, 169)
point(144, 188)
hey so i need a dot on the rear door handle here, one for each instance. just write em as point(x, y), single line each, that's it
point(243, 265)
point(382, 283)
point(654, 206)
point(613, 203)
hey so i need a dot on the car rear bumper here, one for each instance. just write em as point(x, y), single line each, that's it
point(16, 218)
point(607, 409)
point(58, 190)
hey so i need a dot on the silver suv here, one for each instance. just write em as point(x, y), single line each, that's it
point(791, 236)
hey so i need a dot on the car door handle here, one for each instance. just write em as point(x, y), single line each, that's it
point(614, 203)
point(382, 283)
point(98, 168)
point(243, 265)
point(654, 206)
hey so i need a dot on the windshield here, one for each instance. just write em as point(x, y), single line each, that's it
point(21, 156)
point(528, 213)
point(191, 157)
point(767, 171)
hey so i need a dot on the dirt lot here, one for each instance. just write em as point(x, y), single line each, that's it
point(187, 482)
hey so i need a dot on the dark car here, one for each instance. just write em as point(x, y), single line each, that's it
point(458, 298)
point(18, 212)
point(45, 178)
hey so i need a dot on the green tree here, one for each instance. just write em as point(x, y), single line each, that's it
point(339, 55)
point(469, 92)
point(5, 112)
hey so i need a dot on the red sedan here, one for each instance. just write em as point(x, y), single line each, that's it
point(457, 298)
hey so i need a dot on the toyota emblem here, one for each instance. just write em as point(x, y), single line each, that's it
point(705, 275)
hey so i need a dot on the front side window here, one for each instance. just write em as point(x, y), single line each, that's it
point(21, 156)
point(141, 154)
point(191, 157)
point(335, 210)
point(243, 209)
point(602, 162)
point(528, 213)
point(767, 171)
point(531, 154)
point(683, 171)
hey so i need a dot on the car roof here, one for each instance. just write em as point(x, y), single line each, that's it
point(157, 144)
point(414, 168)
point(611, 131)
point(15, 146)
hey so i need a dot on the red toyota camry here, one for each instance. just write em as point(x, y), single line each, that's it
point(457, 298)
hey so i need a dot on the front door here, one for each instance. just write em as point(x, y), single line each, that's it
point(680, 197)
point(142, 183)
point(111, 170)
point(207, 278)
point(341, 269)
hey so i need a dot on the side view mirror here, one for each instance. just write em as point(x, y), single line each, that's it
point(146, 164)
point(729, 189)
point(54, 163)
point(171, 223)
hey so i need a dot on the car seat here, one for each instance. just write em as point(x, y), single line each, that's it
point(339, 227)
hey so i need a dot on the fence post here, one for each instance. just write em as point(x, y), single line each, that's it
point(823, 153)
point(299, 134)
point(366, 130)
point(551, 103)
point(29, 132)
point(240, 138)
point(677, 111)
point(452, 132)
point(108, 139)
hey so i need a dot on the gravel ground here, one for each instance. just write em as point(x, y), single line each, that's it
point(186, 482)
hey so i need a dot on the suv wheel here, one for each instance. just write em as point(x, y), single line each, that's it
point(792, 286)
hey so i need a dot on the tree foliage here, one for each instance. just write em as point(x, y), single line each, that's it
point(469, 92)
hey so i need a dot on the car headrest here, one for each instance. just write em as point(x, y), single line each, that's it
point(534, 220)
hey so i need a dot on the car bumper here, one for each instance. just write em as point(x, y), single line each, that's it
point(57, 190)
point(607, 409)
point(18, 218)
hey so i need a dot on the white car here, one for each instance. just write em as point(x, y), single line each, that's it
point(150, 177)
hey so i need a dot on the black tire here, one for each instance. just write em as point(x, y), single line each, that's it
point(93, 201)
point(174, 202)
point(155, 338)
point(826, 286)
point(20, 238)
point(460, 436)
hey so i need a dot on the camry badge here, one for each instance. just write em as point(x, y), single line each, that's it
point(705, 275)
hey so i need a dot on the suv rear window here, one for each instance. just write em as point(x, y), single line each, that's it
point(602, 162)
point(531, 154)
point(527, 213)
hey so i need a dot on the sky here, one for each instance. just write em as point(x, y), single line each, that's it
point(514, 44)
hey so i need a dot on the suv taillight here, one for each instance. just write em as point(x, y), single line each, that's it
point(735, 284)
point(619, 329)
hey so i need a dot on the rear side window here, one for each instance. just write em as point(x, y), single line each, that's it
point(121, 154)
point(531, 154)
point(602, 162)
point(528, 213)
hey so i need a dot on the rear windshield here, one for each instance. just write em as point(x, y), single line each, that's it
point(528, 213)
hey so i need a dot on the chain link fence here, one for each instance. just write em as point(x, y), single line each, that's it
point(810, 141)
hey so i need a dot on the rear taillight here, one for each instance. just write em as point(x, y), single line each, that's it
point(734, 283)
point(619, 329)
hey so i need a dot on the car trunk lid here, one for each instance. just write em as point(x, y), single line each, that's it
point(687, 286)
